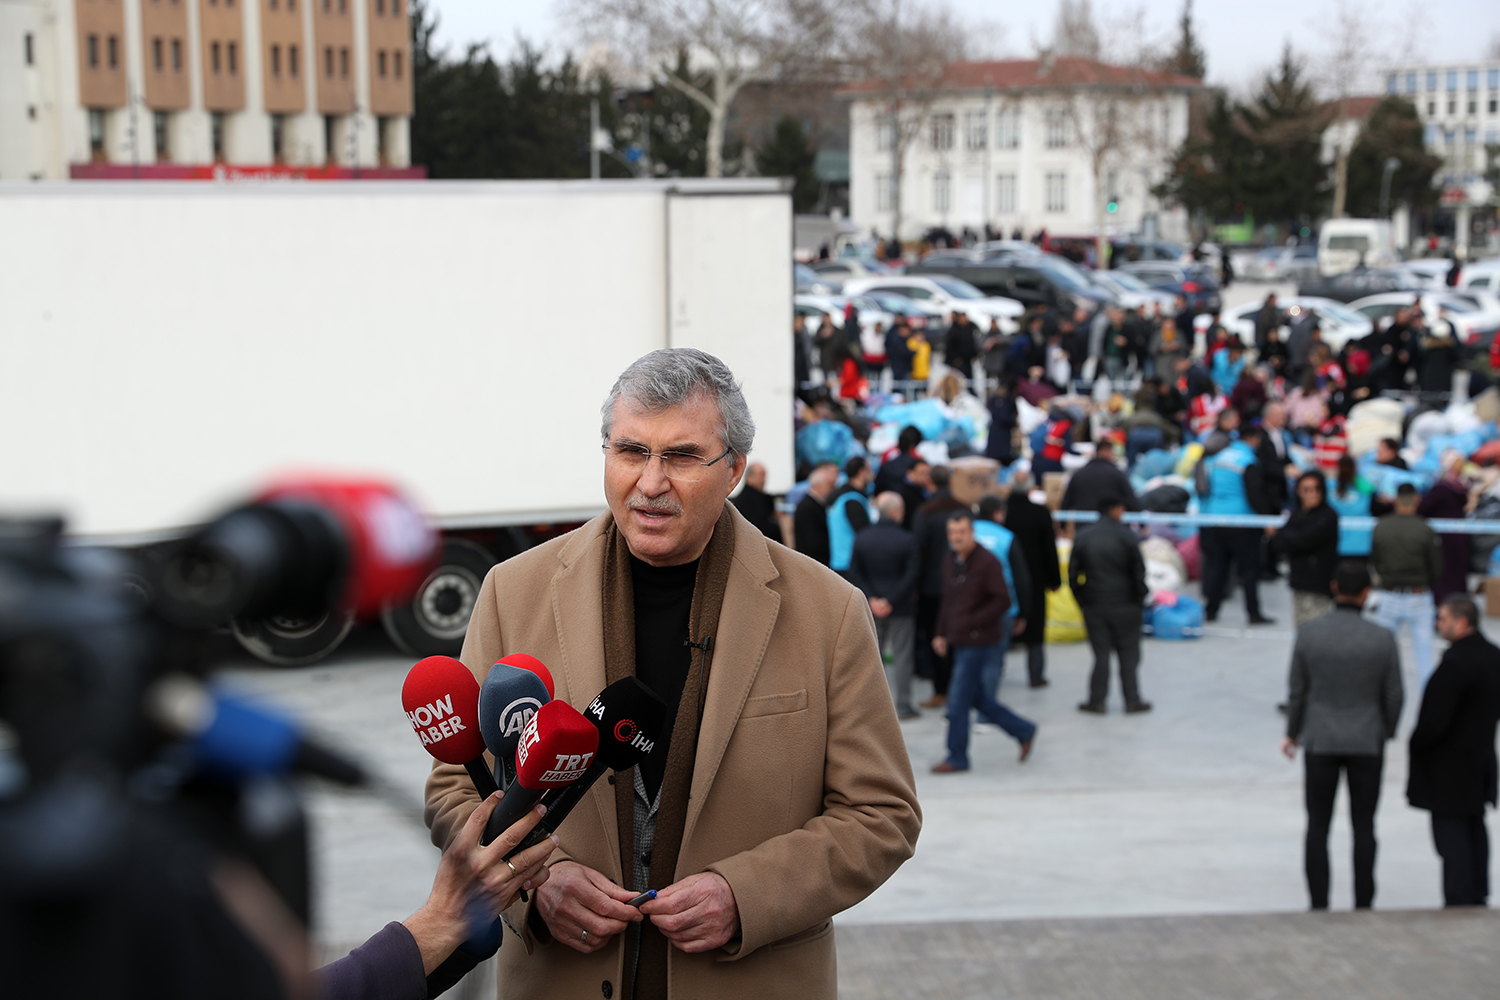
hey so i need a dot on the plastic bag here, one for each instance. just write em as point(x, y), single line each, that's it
point(1064, 616)
point(1179, 619)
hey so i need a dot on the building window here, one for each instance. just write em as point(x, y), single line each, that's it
point(1471, 80)
point(114, 52)
point(291, 6)
point(278, 124)
point(325, 6)
point(379, 7)
point(1430, 136)
point(1493, 79)
point(1411, 83)
point(1057, 128)
point(976, 130)
point(96, 134)
point(1473, 107)
point(1432, 107)
point(93, 46)
point(1448, 136)
point(382, 150)
point(343, 6)
point(216, 132)
point(1391, 82)
point(328, 61)
point(1471, 136)
point(396, 65)
point(380, 62)
point(883, 133)
point(1494, 104)
point(1451, 79)
point(271, 4)
point(328, 156)
point(1431, 80)
point(177, 55)
point(1057, 192)
point(344, 63)
point(234, 63)
point(157, 60)
point(1008, 129)
point(276, 60)
point(942, 191)
point(1005, 194)
point(884, 190)
point(213, 56)
point(159, 127)
point(1452, 107)
point(31, 51)
point(291, 60)
point(942, 132)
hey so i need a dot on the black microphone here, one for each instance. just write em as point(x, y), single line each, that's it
point(629, 717)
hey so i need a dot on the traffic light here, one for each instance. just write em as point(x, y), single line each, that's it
point(1113, 205)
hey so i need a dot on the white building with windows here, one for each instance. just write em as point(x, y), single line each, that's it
point(1459, 104)
point(1022, 145)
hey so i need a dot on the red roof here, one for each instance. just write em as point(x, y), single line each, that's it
point(1033, 74)
point(1357, 108)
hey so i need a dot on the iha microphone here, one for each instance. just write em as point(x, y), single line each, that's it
point(556, 748)
point(508, 699)
point(628, 717)
point(441, 699)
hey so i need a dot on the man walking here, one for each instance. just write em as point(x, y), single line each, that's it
point(810, 520)
point(1344, 702)
point(990, 531)
point(1037, 537)
point(1108, 579)
point(931, 531)
point(1407, 558)
point(1453, 767)
point(1235, 487)
point(969, 622)
point(886, 567)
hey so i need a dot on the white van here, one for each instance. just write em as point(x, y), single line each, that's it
point(1343, 244)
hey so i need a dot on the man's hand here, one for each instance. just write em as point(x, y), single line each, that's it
point(1289, 747)
point(1019, 627)
point(697, 914)
point(577, 899)
point(940, 645)
point(880, 607)
point(1270, 531)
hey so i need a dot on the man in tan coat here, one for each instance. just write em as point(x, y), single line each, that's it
point(784, 794)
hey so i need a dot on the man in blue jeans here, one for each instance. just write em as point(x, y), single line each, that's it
point(971, 622)
point(1408, 558)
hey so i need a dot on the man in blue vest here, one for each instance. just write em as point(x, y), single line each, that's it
point(990, 532)
point(848, 514)
point(1235, 487)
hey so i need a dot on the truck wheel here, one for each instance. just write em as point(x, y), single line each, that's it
point(434, 621)
point(291, 642)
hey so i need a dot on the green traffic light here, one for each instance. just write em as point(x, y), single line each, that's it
point(1112, 207)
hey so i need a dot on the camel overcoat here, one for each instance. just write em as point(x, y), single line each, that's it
point(802, 795)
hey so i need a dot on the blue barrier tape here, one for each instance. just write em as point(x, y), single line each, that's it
point(1447, 526)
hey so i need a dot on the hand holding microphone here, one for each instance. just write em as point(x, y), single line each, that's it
point(556, 749)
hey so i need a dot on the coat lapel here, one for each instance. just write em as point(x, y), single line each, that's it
point(746, 622)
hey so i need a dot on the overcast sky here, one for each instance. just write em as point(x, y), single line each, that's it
point(1242, 39)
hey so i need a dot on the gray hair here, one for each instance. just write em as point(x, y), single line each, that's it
point(671, 377)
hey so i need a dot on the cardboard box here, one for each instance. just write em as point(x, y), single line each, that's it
point(1492, 597)
point(973, 477)
point(1054, 484)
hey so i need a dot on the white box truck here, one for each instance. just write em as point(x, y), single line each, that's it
point(167, 348)
point(1344, 244)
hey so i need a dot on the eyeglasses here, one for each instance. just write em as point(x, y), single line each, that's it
point(680, 466)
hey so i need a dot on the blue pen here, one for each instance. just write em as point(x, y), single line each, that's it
point(646, 896)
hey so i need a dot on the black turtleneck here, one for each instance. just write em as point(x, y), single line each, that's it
point(663, 604)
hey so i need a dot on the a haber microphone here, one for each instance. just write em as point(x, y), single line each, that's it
point(441, 699)
point(508, 699)
point(556, 748)
point(628, 716)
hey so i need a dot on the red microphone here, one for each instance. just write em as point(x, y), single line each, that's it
point(528, 662)
point(556, 748)
point(441, 699)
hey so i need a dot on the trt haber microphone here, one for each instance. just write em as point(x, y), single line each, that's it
point(629, 717)
point(508, 699)
point(528, 662)
point(556, 749)
point(441, 699)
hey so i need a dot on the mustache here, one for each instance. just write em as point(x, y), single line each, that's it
point(659, 505)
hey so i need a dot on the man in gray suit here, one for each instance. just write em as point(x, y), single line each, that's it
point(1344, 702)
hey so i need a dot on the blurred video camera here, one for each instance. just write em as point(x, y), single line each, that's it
point(151, 839)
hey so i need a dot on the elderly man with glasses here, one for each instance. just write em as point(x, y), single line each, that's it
point(784, 793)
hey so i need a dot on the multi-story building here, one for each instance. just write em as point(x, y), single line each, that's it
point(1459, 104)
point(1051, 143)
point(204, 88)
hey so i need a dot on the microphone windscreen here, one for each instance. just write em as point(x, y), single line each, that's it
point(629, 717)
point(441, 698)
point(528, 662)
point(508, 698)
point(556, 748)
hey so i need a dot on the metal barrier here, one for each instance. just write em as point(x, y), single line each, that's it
point(1445, 526)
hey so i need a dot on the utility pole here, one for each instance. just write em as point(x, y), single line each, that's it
point(1391, 166)
point(594, 137)
point(989, 140)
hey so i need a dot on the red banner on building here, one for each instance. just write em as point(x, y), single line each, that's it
point(234, 174)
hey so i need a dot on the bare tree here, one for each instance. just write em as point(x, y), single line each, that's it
point(904, 55)
point(735, 42)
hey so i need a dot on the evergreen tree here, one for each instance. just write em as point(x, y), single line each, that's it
point(1207, 170)
point(1285, 178)
point(1188, 58)
point(1393, 129)
point(787, 153)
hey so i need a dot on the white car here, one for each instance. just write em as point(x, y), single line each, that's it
point(1482, 274)
point(1431, 272)
point(947, 294)
point(1133, 293)
point(1338, 323)
point(1278, 263)
point(1474, 313)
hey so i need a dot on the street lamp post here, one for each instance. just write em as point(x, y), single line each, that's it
point(1391, 165)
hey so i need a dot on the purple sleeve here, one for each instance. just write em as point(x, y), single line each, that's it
point(386, 967)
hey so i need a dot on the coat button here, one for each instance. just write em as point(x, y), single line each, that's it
point(607, 990)
point(646, 859)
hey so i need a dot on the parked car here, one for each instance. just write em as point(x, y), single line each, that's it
point(1339, 323)
point(1132, 251)
point(1296, 263)
point(1475, 319)
point(946, 293)
point(1131, 292)
point(1353, 285)
point(919, 315)
point(1482, 274)
point(806, 281)
point(841, 269)
point(1431, 272)
point(1030, 279)
point(1193, 282)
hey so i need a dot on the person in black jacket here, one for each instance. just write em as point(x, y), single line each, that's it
point(1310, 541)
point(758, 506)
point(960, 348)
point(810, 520)
point(1036, 535)
point(1099, 477)
point(887, 567)
point(931, 530)
point(1452, 771)
point(1108, 578)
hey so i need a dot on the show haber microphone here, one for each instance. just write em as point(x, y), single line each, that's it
point(629, 717)
point(556, 748)
point(441, 699)
point(508, 699)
